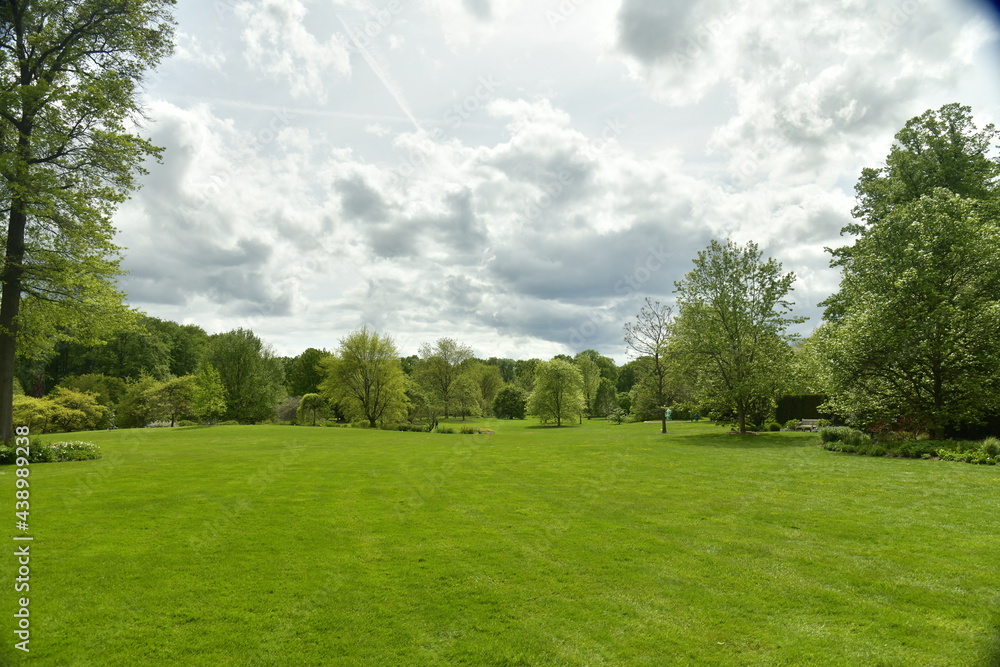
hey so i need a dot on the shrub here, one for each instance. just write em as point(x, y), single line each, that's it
point(792, 424)
point(468, 430)
point(229, 422)
point(991, 447)
point(187, 422)
point(53, 453)
point(772, 426)
point(751, 427)
point(445, 429)
point(617, 415)
point(986, 452)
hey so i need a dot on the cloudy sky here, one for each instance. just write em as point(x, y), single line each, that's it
point(517, 174)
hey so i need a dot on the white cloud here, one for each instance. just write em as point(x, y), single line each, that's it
point(279, 43)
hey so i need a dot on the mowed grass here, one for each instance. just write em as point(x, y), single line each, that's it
point(591, 545)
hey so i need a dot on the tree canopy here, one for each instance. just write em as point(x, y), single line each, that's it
point(70, 74)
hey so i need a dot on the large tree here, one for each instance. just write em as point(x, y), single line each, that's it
point(366, 377)
point(910, 336)
point(648, 336)
point(558, 392)
point(916, 349)
point(439, 368)
point(70, 76)
point(731, 327)
point(250, 372)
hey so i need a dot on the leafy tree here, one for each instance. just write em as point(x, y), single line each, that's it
point(525, 373)
point(77, 411)
point(175, 398)
point(467, 395)
point(917, 346)
point(558, 393)
point(250, 372)
point(209, 400)
point(648, 337)
point(590, 372)
point(731, 327)
point(366, 377)
point(922, 220)
point(606, 399)
point(607, 365)
point(440, 368)
point(488, 382)
point(109, 390)
point(311, 404)
point(628, 375)
point(507, 368)
point(138, 407)
point(288, 409)
point(304, 374)
point(35, 413)
point(421, 404)
point(70, 76)
point(510, 403)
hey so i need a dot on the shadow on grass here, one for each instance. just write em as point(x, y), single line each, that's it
point(735, 441)
point(552, 426)
point(991, 657)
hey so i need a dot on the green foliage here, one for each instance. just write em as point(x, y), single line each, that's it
point(986, 452)
point(209, 399)
point(648, 338)
point(108, 390)
point(440, 367)
point(466, 394)
point(56, 452)
point(772, 426)
point(175, 398)
point(510, 403)
point(617, 415)
point(250, 372)
point(366, 378)
point(309, 407)
point(731, 329)
point(909, 334)
point(77, 411)
point(799, 406)
point(792, 424)
point(35, 413)
point(558, 393)
point(138, 406)
point(304, 374)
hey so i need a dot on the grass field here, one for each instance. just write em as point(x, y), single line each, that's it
point(592, 545)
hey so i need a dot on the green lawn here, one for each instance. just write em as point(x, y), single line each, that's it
point(591, 545)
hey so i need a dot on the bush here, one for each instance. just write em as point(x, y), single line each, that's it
point(986, 452)
point(187, 422)
point(229, 422)
point(772, 426)
point(792, 424)
point(56, 452)
point(445, 429)
point(510, 403)
point(751, 427)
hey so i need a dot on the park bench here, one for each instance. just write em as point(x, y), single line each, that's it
point(807, 425)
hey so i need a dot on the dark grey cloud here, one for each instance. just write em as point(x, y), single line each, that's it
point(652, 30)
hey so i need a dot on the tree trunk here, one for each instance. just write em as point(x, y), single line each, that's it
point(10, 306)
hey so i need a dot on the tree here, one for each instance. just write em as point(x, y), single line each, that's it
point(250, 372)
point(312, 404)
point(731, 327)
point(922, 222)
point(558, 393)
point(440, 368)
point(590, 372)
point(606, 399)
point(510, 403)
point(174, 398)
point(109, 390)
point(304, 374)
point(209, 401)
point(70, 76)
point(916, 349)
point(366, 377)
point(488, 382)
point(648, 337)
point(137, 407)
point(467, 395)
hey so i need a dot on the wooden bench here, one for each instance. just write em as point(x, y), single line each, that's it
point(807, 425)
